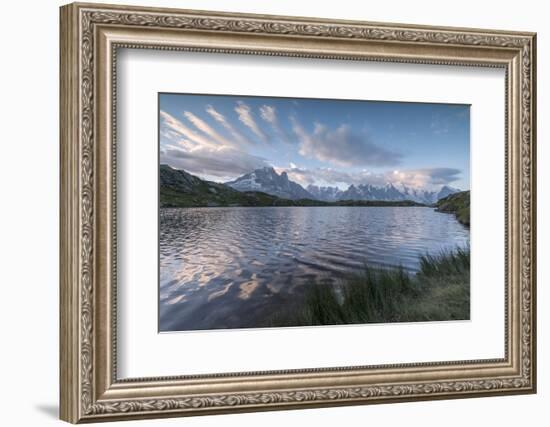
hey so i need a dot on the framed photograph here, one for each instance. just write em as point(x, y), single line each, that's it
point(266, 212)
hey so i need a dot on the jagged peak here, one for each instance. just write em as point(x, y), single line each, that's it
point(266, 169)
point(267, 179)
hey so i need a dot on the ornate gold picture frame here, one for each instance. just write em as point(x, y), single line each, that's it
point(91, 34)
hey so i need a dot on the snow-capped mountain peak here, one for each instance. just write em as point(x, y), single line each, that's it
point(269, 181)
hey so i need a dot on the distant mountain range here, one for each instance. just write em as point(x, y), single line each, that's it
point(179, 188)
point(386, 192)
point(267, 180)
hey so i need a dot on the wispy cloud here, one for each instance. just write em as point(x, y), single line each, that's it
point(221, 119)
point(247, 118)
point(342, 147)
point(206, 128)
point(205, 153)
point(169, 134)
point(269, 114)
point(193, 139)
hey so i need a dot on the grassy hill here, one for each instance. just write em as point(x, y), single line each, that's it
point(181, 189)
point(458, 204)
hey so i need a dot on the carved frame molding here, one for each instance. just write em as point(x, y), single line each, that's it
point(90, 36)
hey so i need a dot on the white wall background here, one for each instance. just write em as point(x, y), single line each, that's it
point(29, 170)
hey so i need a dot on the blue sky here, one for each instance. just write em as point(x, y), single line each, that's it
point(317, 141)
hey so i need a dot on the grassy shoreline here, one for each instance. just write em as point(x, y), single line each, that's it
point(439, 291)
point(457, 204)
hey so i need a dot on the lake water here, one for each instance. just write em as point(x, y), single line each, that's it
point(235, 267)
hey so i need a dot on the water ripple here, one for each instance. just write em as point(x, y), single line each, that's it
point(232, 267)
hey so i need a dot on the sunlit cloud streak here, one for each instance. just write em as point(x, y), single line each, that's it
point(269, 114)
point(247, 118)
point(221, 119)
point(206, 129)
point(187, 134)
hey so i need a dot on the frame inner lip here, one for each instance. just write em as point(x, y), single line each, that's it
point(341, 370)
